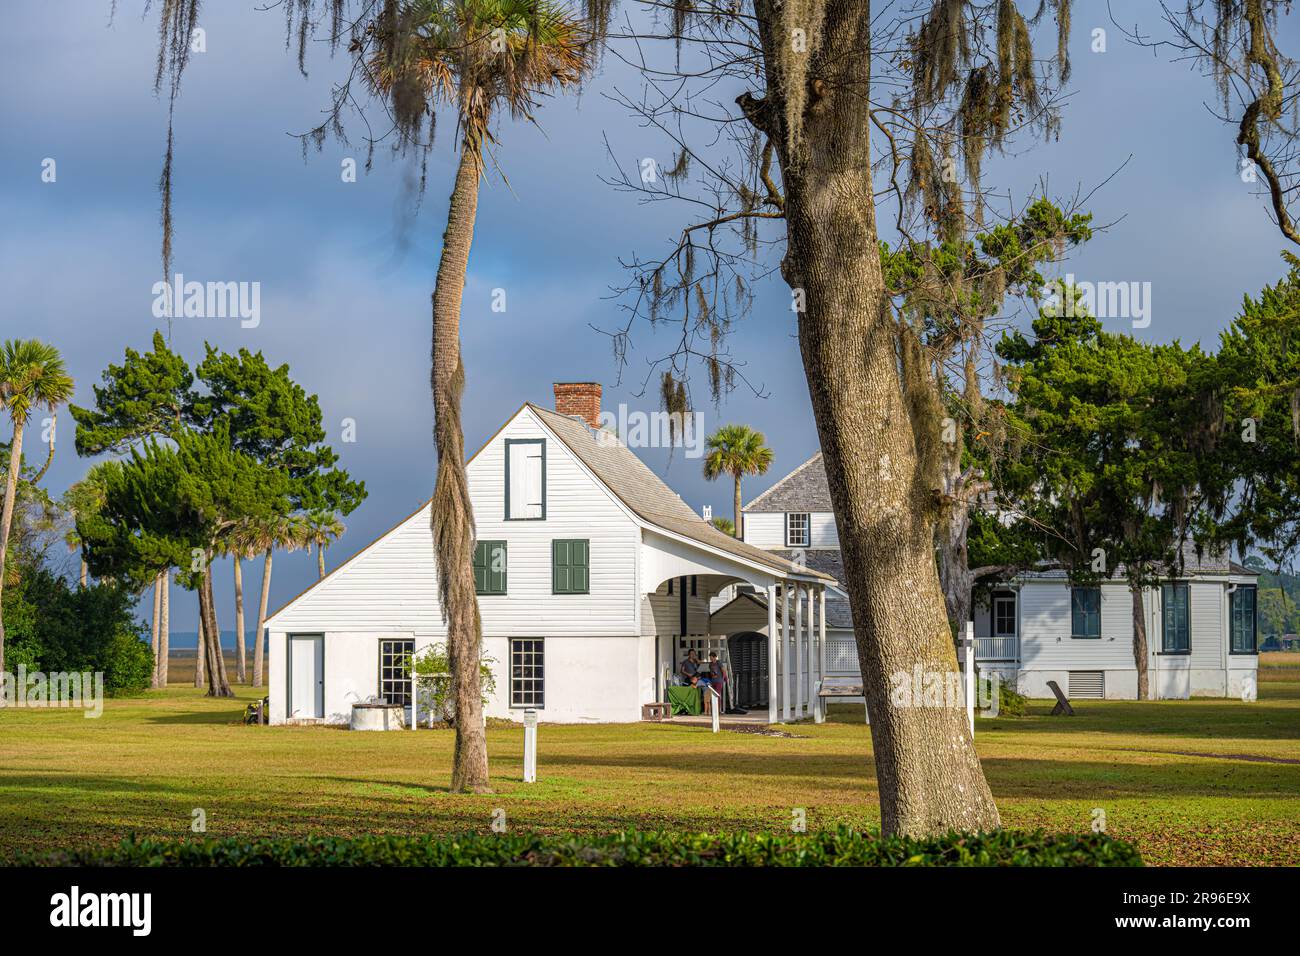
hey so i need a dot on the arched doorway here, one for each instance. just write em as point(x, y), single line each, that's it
point(748, 653)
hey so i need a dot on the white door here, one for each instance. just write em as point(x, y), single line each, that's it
point(306, 676)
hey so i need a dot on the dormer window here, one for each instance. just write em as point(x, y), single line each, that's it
point(797, 530)
point(525, 479)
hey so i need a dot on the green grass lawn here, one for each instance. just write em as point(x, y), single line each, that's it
point(1172, 776)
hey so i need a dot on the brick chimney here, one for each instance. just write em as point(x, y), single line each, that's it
point(579, 398)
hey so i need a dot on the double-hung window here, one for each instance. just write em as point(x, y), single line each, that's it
point(797, 534)
point(1241, 616)
point(1177, 628)
point(1085, 613)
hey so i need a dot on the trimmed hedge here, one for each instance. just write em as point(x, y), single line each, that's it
point(841, 847)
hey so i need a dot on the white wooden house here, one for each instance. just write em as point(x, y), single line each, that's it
point(1201, 626)
point(594, 578)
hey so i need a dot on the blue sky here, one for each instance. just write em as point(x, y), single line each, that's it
point(347, 306)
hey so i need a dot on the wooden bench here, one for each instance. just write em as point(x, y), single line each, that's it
point(659, 710)
point(1062, 702)
point(838, 688)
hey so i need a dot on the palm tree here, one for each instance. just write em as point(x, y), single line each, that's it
point(83, 498)
point(32, 376)
point(288, 533)
point(736, 450)
point(241, 542)
point(725, 525)
point(319, 529)
point(482, 58)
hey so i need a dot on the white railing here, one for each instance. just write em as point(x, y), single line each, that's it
point(996, 648)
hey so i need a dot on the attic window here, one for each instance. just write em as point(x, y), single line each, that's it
point(525, 482)
point(796, 530)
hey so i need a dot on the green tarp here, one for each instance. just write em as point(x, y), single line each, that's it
point(685, 700)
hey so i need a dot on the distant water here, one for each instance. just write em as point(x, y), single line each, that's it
point(189, 640)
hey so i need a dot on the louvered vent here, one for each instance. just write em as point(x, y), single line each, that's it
point(1087, 685)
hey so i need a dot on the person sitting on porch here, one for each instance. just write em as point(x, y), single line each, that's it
point(717, 674)
point(689, 668)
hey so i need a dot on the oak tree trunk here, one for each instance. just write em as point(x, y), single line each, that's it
point(451, 515)
point(200, 656)
point(84, 572)
point(1140, 641)
point(218, 684)
point(241, 657)
point(954, 567)
point(259, 641)
point(6, 522)
point(929, 776)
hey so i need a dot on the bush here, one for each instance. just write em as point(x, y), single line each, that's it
point(1010, 702)
point(840, 847)
point(127, 663)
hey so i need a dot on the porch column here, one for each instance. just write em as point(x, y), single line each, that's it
point(821, 632)
point(814, 651)
point(771, 653)
point(785, 650)
point(798, 651)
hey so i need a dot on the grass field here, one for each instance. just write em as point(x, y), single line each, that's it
point(1191, 782)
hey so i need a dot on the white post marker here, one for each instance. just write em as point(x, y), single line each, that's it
point(716, 708)
point(530, 746)
point(968, 652)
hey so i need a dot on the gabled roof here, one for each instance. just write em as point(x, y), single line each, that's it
point(804, 489)
point(645, 494)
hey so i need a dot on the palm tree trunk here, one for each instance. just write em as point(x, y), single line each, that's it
point(259, 639)
point(320, 560)
point(164, 636)
point(157, 622)
point(84, 571)
point(452, 517)
point(241, 658)
point(929, 776)
point(736, 522)
point(218, 684)
point(6, 522)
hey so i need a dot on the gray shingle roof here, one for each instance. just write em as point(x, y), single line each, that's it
point(804, 489)
point(641, 490)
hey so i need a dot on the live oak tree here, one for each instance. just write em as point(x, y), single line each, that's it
point(951, 294)
point(790, 169)
point(32, 377)
point(1252, 480)
point(1120, 431)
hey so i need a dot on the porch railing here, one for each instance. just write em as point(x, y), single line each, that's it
point(996, 648)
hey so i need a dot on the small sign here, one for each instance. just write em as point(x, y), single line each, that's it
point(530, 718)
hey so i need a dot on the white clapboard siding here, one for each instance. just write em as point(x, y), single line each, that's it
point(661, 612)
point(392, 584)
point(1205, 610)
point(1045, 625)
point(766, 529)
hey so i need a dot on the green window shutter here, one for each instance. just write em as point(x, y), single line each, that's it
point(480, 567)
point(570, 566)
point(490, 567)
